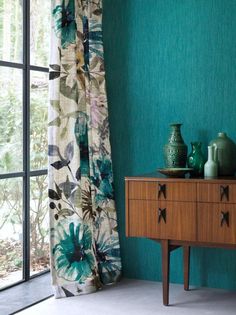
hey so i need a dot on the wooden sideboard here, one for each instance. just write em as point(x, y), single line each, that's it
point(181, 212)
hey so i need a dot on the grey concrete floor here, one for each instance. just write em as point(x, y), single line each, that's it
point(136, 297)
point(25, 294)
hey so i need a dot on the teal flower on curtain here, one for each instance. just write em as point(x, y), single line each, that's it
point(102, 179)
point(65, 26)
point(108, 258)
point(74, 260)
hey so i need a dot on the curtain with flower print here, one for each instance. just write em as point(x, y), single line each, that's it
point(85, 250)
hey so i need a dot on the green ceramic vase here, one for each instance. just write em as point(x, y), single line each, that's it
point(175, 151)
point(196, 159)
point(226, 154)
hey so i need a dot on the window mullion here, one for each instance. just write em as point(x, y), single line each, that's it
point(40, 69)
point(26, 139)
point(9, 64)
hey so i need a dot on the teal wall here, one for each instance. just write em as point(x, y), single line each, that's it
point(168, 61)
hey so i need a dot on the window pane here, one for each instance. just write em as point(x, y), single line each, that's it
point(39, 224)
point(10, 231)
point(38, 122)
point(39, 32)
point(10, 120)
point(11, 30)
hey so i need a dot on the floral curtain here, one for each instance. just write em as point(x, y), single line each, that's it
point(85, 250)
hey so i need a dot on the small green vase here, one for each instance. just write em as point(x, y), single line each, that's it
point(196, 159)
point(175, 151)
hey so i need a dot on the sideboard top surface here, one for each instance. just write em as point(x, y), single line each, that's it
point(155, 176)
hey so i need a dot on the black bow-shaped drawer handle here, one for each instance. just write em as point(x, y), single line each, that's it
point(224, 192)
point(224, 218)
point(161, 215)
point(162, 190)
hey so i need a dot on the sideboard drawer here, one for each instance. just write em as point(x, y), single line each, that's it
point(142, 190)
point(225, 193)
point(161, 190)
point(162, 220)
point(217, 223)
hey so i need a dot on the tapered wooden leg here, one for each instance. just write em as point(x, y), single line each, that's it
point(165, 270)
point(186, 250)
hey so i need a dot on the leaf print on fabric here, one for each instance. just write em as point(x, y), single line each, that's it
point(87, 206)
point(55, 67)
point(67, 293)
point(74, 260)
point(54, 71)
point(67, 187)
point(95, 40)
point(53, 194)
point(56, 106)
point(59, 164)
point(66, 194)
point(69, 151)
point(75, 197)
point(54, 75)
point(55, 122)
point(98, 110)
point(65, 212)
point(81, 134)
point(65, 26)
point(54, 150)
point(86, 43)
point(68, 91)
point(79, 59)
point(104, 129)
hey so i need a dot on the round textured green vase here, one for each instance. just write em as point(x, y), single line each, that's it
point(196, 159)
point(175, 151)
point(226, 154)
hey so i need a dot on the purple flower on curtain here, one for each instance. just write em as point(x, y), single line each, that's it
point(98, 110)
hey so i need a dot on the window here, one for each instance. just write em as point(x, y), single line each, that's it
point(24, 50)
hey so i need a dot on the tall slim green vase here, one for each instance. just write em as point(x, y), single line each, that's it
point(175, 151)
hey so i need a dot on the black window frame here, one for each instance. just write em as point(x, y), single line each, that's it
point(26, 174)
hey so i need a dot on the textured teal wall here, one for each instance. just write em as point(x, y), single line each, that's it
point(168, 61)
